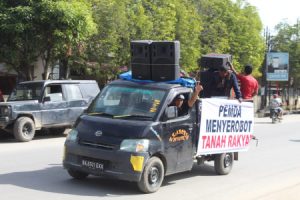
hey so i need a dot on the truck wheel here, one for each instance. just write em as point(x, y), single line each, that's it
point(24, 129)
point(77, 174)
point(223, 163)
point(152, 176)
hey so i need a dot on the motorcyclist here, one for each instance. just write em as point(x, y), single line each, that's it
point(276, 105)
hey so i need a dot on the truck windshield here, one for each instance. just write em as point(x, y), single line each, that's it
point(127, 102)
point(26, 91)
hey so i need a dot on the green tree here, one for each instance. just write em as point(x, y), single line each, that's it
point(109, 48)
point(42, 28)
point(169, 20)
point(65, 27)
point(121, 22)
point(214, 35)
point(234, 28)
point(287, 39)
point(162, 16)
point(19, 38)
point(61, 30)
point(188, 28)
point(245, 39)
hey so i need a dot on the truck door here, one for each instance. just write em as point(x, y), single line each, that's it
point(178, 141)
point(76, 102)
point(54, 111)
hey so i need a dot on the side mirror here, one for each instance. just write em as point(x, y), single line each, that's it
point(171, 112)
point(46, 98)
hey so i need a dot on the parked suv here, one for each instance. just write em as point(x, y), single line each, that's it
point(53, 104)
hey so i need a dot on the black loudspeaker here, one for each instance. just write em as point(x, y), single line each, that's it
point(215, 61)
point(141, 59)
point(165, 60)
point(165, 73)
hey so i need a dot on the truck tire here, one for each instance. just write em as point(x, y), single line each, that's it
point(224, 163)
point(152, 176)
point(77, 174)
point(24, 129)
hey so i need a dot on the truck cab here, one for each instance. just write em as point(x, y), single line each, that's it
point(126, 125)
point(131, 131)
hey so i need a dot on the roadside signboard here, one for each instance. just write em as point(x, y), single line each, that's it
point(277, 66)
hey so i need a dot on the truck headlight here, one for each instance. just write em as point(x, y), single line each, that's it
point(5, 111)
point(135, 145)
point(72, 136)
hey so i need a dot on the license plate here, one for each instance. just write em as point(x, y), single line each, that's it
point(92, 165)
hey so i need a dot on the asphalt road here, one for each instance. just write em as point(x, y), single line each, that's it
point(269, 171)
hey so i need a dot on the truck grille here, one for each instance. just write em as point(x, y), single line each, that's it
point(97, 145)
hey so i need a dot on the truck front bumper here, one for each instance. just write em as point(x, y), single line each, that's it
point(114, 163)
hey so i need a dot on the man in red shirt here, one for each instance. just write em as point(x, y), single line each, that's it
point(249, 85)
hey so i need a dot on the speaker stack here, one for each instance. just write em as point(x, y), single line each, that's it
point(155, 60)
point(215, 61)
point(141, 59)
point(165, 60)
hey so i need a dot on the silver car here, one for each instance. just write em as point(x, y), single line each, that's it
point(53, 104)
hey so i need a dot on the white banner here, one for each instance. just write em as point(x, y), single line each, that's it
point(226, 126)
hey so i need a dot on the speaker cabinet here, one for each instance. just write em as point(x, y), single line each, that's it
point(165, 60)
point(215, 61)
point(141, 59)
point(165, 72)
point(141, 71)
point(165, 52)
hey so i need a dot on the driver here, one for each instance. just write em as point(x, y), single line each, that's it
point(182, 105)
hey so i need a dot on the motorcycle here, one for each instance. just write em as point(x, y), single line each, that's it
point(274, 115)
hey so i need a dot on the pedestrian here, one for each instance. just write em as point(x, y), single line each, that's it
point(249, 85)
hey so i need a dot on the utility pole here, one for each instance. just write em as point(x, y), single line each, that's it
point(265, 84)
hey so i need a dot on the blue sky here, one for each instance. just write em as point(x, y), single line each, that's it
point(274, 11)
